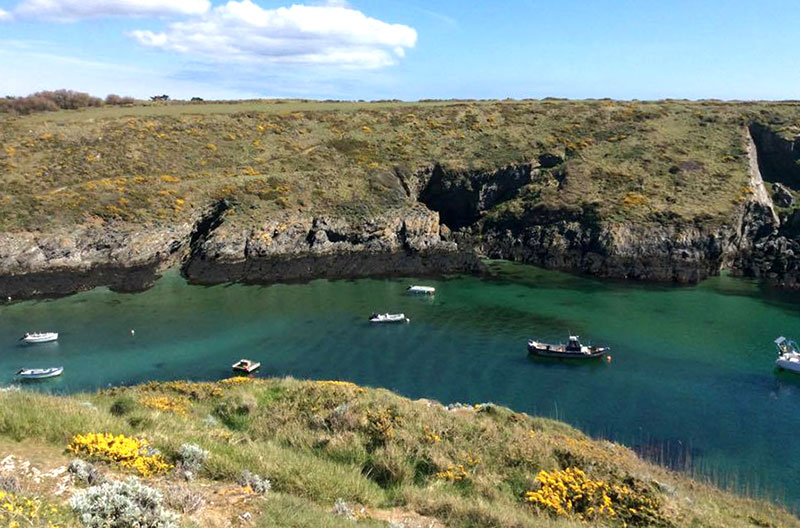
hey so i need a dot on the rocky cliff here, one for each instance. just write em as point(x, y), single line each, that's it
point(121, 257)
point(772, 252)
point(405, 241)
point(450, 218)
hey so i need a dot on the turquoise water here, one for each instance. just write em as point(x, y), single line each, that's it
point(691, 382)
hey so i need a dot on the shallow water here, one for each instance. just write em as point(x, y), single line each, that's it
point(691, 382)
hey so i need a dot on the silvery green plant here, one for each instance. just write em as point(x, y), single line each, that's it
point(341, 508)
point(85, 473)
point(257, 483)
point(122, 504)
point(191, 457)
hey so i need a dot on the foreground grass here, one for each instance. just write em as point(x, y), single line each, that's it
point(668, 161)
point(387, 457)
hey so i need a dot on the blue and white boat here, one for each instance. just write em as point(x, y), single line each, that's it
point(40, 373)
point(788, 355)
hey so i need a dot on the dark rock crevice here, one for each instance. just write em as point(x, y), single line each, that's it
point(461, 197)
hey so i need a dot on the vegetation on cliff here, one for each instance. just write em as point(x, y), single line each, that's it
point(650, 161)
point(282, 452)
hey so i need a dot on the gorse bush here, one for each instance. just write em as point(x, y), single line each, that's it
point(572, 493)
point(129, 453)
point(128, 504)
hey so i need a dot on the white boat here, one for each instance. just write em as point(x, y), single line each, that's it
point(426, 290)
point(389, 318)
point(40, 373)
point(39, 337)
point(246, 365)
point(788, 355)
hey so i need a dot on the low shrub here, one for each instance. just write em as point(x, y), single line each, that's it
point(255, 482)
point(191, 457)
point(85, 473)
point(130, 453)
point(127, 504)
point(184, 499)
point(122, 406)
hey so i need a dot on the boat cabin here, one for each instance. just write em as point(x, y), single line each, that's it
point(786, 346)
point(574, 344)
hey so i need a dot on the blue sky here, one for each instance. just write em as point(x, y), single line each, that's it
point(374, 49)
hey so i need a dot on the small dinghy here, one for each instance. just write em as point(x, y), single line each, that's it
point(246, 365)
point(788, 355)
point(425, 290)
point(39, 337)
point(573, 349)
point(388, 318)
point(40, 373)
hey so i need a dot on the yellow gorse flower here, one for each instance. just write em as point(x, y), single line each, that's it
point(17, 511)
point(129, 453)
point(177, 405)
point(571, 493)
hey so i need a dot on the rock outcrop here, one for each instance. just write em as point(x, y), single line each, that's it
point(301, 247)
point(772, 252)
point(121, 257)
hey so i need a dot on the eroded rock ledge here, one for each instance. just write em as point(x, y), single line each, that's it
point(299, 247)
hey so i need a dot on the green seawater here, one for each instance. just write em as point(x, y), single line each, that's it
point(691, 383)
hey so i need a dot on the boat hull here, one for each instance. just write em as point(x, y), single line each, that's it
point(593, 353)
point(35, 374)
point(786, 364)
point(247, 368)
point(37, 339)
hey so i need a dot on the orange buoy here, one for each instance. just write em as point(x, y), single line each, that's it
point(608, 358)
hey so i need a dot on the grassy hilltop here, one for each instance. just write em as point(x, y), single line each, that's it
point(386, 461)
point(670, 161)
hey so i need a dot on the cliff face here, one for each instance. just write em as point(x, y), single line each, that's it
point(773, 249)
point(300, 247)
point(124, 258)
point(450, 218)
point(578, 242)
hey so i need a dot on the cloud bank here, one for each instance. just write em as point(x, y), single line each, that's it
point(242, 31)
point(72, 10)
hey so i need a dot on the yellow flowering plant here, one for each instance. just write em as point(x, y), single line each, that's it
point(128, 453)
point(177, 404)
point(571, 493)
point(17, 511)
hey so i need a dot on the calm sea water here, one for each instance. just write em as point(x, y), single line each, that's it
point(691, 383)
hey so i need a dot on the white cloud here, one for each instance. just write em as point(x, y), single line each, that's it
point(242, 31)
point(71, 10)
point(5, 16)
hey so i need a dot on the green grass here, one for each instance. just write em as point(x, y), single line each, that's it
point(319, 441)
point(155, 164)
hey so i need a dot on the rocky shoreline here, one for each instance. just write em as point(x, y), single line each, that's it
point(416, 239)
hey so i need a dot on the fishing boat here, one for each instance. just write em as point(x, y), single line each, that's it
point(388, 318)
point(425, 290)
point(39, 337)
point(788, 355)
point(40, 373)
point(246, 365)
point(572, 350)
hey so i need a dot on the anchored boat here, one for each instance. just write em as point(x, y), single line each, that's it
point(40, 373)
point(246, 365)
point(388, 318)
point(39, 337)
point(425, 290)
point(788, 355)
point(572, 350)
